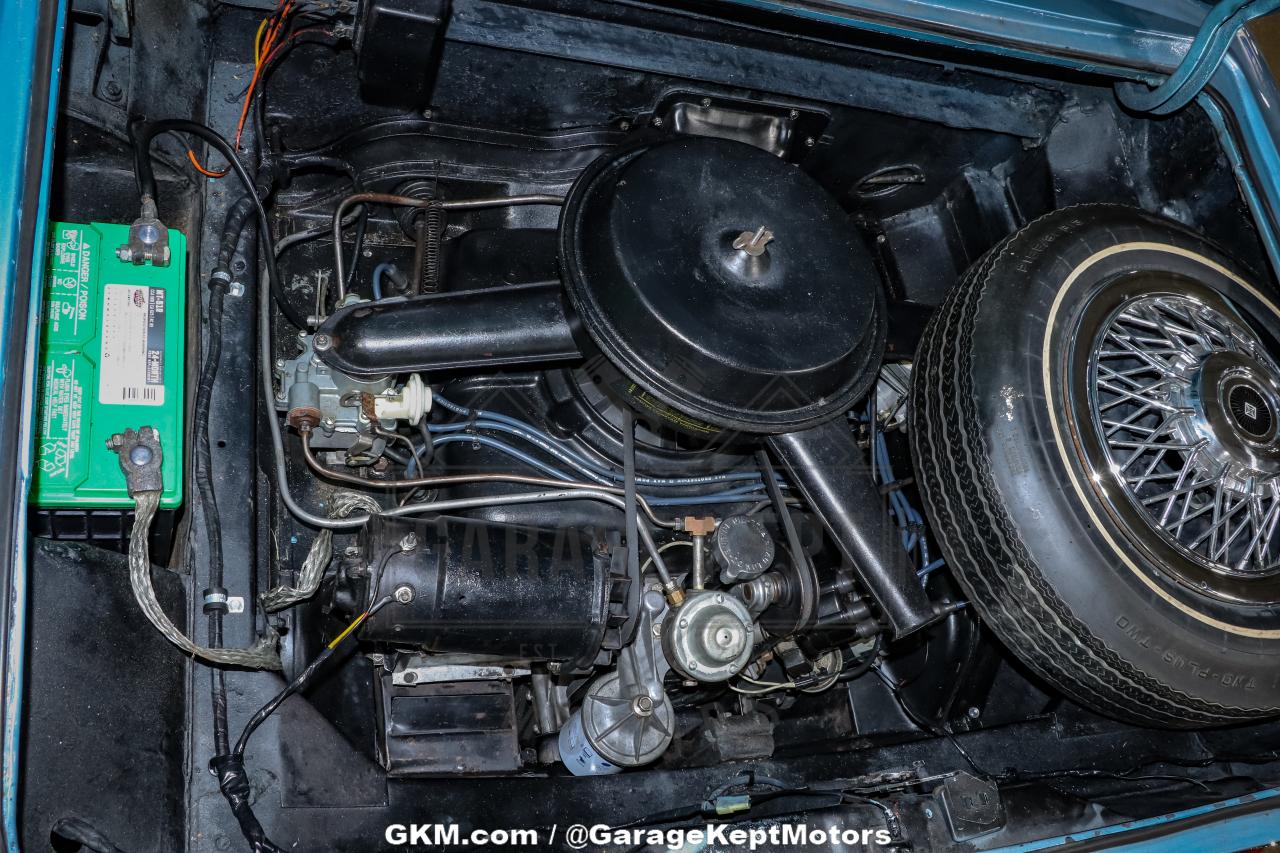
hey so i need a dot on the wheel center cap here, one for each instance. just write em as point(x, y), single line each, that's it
point(1250, 411)
point(1238, 401)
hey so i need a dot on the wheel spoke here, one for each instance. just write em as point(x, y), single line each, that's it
point(1152, 444)
point(1149, 357)
point(1136, 395)
point(1262, 526)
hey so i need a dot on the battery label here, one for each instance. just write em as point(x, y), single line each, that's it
point(132, 370)
point(62, 413)
point(70, 285)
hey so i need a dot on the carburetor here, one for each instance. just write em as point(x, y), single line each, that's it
point(344, 413)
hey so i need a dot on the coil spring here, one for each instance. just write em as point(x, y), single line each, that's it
point(432, 222)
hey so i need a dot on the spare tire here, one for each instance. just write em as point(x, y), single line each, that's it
point(1096, 432)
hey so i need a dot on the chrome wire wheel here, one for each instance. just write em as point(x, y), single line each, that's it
point(1182, 403)
point(1079, 437)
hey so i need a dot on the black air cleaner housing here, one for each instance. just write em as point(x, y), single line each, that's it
point(724, 281)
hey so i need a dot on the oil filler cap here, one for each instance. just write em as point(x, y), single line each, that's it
point(725, 282)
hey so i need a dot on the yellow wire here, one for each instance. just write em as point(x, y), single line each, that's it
point(349, 629)
point(257, 41)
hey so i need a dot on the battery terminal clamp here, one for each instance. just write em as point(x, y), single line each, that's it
point(148, 238)
point(140, 459)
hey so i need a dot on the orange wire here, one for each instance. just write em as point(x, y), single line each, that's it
point(191, 155)
point(275, 30)
point(248, 98)
point(264, 54)
point(267, 57)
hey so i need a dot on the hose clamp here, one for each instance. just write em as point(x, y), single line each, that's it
point(220, 278)
point(215, 600)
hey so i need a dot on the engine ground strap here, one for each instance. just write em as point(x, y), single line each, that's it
point(312, 571)
point(140, 459)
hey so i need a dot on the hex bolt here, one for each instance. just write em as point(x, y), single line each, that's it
point(321, 342)
point(973, 712)
point(409, 542)
point(403, 594)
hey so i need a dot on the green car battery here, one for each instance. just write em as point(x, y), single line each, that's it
point(111, 358)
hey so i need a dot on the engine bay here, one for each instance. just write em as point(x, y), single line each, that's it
point(641, 414)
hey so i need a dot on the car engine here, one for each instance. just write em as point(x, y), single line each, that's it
point(602, 408)
point(649, 439)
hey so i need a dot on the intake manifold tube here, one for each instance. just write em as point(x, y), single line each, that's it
point(467, 330)
point(830, 470)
